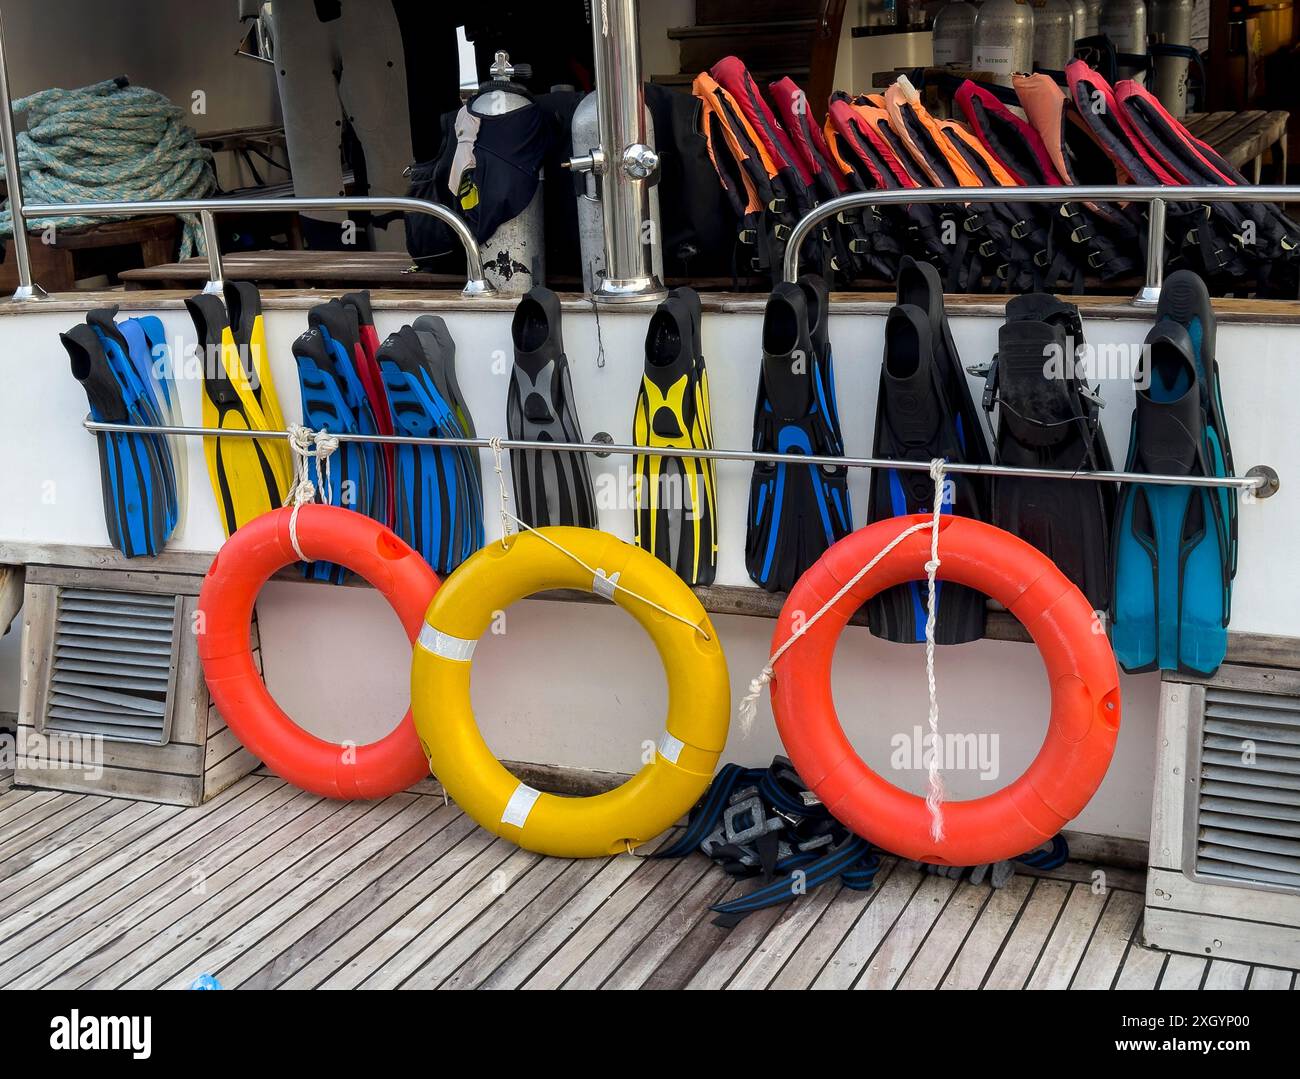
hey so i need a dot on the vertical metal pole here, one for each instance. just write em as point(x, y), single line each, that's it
point(1149, 294)
point(27, 289)
point(628, 163)
point(216, 279)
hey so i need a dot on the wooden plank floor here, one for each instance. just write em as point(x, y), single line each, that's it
point(269, 887)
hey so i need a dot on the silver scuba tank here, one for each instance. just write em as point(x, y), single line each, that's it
point(591, 227)
point(1091, 19)
point(1004, 39)
point(514, 257)
point(1080, 10)
point(1125, 23)
point(954, 28)
point(1171, 24)
point(1053, 33)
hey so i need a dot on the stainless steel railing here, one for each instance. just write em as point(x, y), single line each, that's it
point(1158, 197)
point(1261, 480)
point(207, 209)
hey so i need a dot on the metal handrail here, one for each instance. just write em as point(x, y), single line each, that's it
point(207, 209)
point(1156, 196)
point(1261, 480)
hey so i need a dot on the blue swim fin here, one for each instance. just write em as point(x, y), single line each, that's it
point(439, 501)
point(134, 469)
point(1172, 559)
point(325, 406)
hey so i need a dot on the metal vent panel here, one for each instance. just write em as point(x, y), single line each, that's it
point(113, 667)
point(1247, 824)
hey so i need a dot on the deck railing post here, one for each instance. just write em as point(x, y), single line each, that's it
point(212, 245)
point(1149, 294)
point(627, 163)
point(27, 288)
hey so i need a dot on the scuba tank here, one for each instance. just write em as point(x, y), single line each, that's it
point(591, 225)
point(1053, 34)
point(1171, 24)
point(954, 27)
point(1091, 19)
point(1080, 9)
point(1004, 39)
point(514, 258)
point(1125, 23)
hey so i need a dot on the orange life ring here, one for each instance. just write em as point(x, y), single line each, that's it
point(242, 566)
point(1080, 667)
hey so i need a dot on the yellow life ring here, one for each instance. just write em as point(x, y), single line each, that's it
point(699, 694)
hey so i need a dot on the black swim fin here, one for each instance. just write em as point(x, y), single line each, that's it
point(551, 488)
point(916, 420)
point(1048, 416)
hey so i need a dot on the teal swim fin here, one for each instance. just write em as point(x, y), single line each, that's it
point(1173, 545)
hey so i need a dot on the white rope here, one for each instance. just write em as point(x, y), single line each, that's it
point(508, 519)
point(306, 444)
point(749, 703)
point(935, 797)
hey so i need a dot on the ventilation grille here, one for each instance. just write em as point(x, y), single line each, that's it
point(1248, 811)
point(113, 664)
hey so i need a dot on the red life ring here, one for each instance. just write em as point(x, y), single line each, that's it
point(243, 565)
point(1080, 668)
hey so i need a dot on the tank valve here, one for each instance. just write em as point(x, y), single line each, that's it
point(640, 161)
point(594, 162)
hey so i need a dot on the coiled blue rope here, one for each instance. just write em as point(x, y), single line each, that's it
point(108, 142)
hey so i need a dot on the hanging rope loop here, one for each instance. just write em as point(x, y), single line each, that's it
point(308, 446)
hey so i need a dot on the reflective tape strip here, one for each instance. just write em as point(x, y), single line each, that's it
point(603, 585)
point(445, 645)
point(670, 748)
point(520, 805)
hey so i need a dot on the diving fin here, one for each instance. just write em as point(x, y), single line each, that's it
point(675, 497)
point(133, 474)
point(796, 512)
point(249, 476)
point(551, 488)
point(1049, 417)
point(1185, 299)
point(361, 321)
point(143, 394)
point(338, 326)
point(916, 420)
point(439, 502)
point(148, 342)
point(919, 285)
point(818, 299)
point(1172, 552)
point(440, 350)
point(328, 397)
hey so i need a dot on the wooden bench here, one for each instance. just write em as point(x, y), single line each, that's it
point(109, 248)
point(1244, 137)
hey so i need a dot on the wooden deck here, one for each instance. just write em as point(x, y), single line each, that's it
point(266, 886)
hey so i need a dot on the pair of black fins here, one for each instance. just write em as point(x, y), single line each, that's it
point(552, 487)
point(796, 511)
point(126, 372)
point(1046, 418)
point(1175, 551)
point(675, 498)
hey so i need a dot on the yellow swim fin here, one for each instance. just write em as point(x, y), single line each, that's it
point(249, 477)
point(244, 313)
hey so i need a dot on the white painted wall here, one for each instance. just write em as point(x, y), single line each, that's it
point(577, 684)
